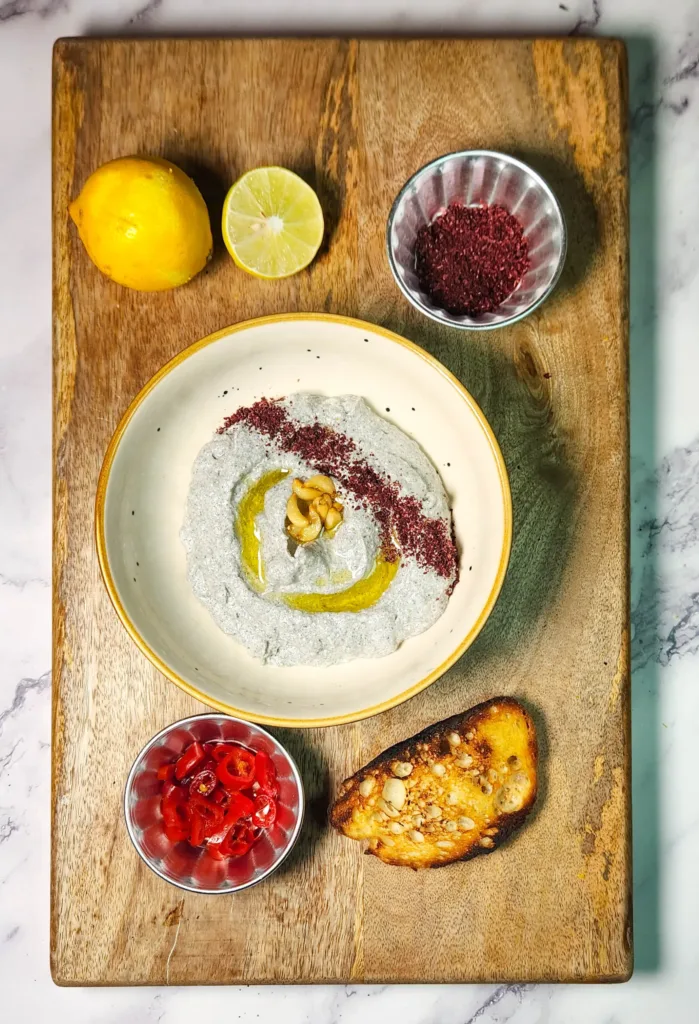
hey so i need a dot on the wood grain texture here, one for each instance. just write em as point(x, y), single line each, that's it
point(356, 119)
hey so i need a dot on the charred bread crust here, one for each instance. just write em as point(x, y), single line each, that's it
point(477, 768)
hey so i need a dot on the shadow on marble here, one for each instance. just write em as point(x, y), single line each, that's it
point(645, 698)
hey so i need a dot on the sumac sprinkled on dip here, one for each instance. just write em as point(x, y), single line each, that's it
point(281, 575)
point(400, 516)
point(470, 258)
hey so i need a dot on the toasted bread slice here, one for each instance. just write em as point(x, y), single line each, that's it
point(456, 790)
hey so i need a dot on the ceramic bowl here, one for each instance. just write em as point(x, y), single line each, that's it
point(190, 867)
point(479, 177)
point(145, 478)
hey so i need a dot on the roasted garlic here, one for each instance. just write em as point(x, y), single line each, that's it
point(312, 507)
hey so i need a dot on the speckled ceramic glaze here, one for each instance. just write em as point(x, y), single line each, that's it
point(479, 177)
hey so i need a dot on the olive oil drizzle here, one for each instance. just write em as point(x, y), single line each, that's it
point(362, 594)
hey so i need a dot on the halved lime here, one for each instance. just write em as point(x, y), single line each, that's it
point(272, 222)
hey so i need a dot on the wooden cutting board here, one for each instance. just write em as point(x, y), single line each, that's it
point(356, 118)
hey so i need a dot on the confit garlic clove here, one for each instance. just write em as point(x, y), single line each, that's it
point(294, 514)
point(321, 483)
point(318, 509)
point(401, 769)
point(308, 533)
point(304, 492)
point(333, 518)
point(323, 505)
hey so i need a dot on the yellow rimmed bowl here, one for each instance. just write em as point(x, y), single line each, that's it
point(145, 479)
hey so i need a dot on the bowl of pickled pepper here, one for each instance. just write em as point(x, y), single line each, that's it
point(213, 804)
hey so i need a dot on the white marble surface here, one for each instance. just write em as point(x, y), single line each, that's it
point(664, 58)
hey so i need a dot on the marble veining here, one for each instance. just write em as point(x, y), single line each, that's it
point(689, 70)
point(663, 44)
point(665, 616)
point(587, 23)
point(44, 8)
point(24, 686)
point(501, 994)
point(145, 12)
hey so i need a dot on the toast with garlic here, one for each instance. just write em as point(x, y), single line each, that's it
point(456, 790)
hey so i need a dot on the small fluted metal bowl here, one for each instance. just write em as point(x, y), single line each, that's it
point(191, 868)
point(479, 177)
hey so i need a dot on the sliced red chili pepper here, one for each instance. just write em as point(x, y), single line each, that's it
point(214, 849)
point(206, 818)
point(168, 788)
point(266, 774)
point(239, 807)
point(243, 804)
point(175, 833)
point(189, 760)
point(173, 808)
point(237, 769)
point(204, 782)
point(265, 811)
point(238, 841)
point(209, 810)
point(196, 807)
point(196, 834)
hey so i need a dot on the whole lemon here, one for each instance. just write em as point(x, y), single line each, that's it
point(144, 223)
